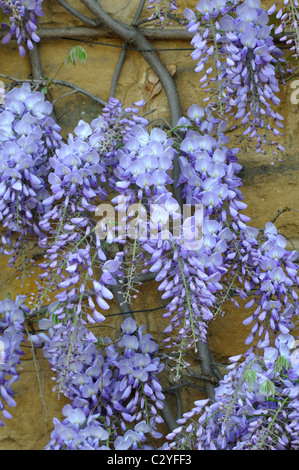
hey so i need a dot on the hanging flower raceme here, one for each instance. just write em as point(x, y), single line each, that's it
point(140, 177)
point(28, 135)
point(114, 390)
point(257, 260)
point(12, 316)
point(242, 82)
point(192, 275)
point(233, 260)
point(77, 261)
point(273, 283)
point(22, 22)
point(187, 265)
point(256, 405)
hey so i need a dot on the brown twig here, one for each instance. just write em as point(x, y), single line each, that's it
point(42, 82)
point(282, 211)
point(35, 62)
point(78, 89)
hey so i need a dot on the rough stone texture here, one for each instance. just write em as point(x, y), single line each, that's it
point(266, 190)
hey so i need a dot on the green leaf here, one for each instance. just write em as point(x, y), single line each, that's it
point(250, 377)
point(44, 90)
point(267, 388)
point(76, 54)
point(55, 319)
point(280, 364)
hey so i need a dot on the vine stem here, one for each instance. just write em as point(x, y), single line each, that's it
point(133, 257)
point(189, 306)
point(273, 420)
point(123, 53)
point(77, 14)
point(227, 292)
point(237, 390)
point(133, 36)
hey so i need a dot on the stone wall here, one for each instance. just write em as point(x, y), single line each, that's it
point(266, 189)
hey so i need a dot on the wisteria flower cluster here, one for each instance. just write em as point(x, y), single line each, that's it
point(241, 80)
point(12, 317)
point(256, 405)
point(28, 136)
point(274, 286)
point(140, 177)
point(54, 190)
point(76, 178)
point(22, 22)
point(208, 180)
point(114, 391)
point(143, 174)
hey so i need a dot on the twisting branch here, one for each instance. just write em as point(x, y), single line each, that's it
point(173, 34)
point(206, 368)
point(123, 53)
point(133, 36)
point(77, 14)
point(35, 62)
point(37, 72)
point(117, 70)
point(138, 12)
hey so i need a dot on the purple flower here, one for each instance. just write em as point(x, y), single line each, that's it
point(243, 57)
point(12, 317)
point(24, 165)
point(23, 21)
point(107, 388)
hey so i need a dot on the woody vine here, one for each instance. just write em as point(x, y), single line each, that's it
point(52, 188)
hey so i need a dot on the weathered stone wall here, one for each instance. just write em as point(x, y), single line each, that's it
point(266, 189)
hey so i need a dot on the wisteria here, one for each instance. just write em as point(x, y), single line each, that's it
point(103, 207)
point(241, 80)
point(12, 317)
point(22, 22)
point(275, 288)
point(74, 251)
point(114, 392)
point(29, 135)
point(141, 177)
point(256, 405)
